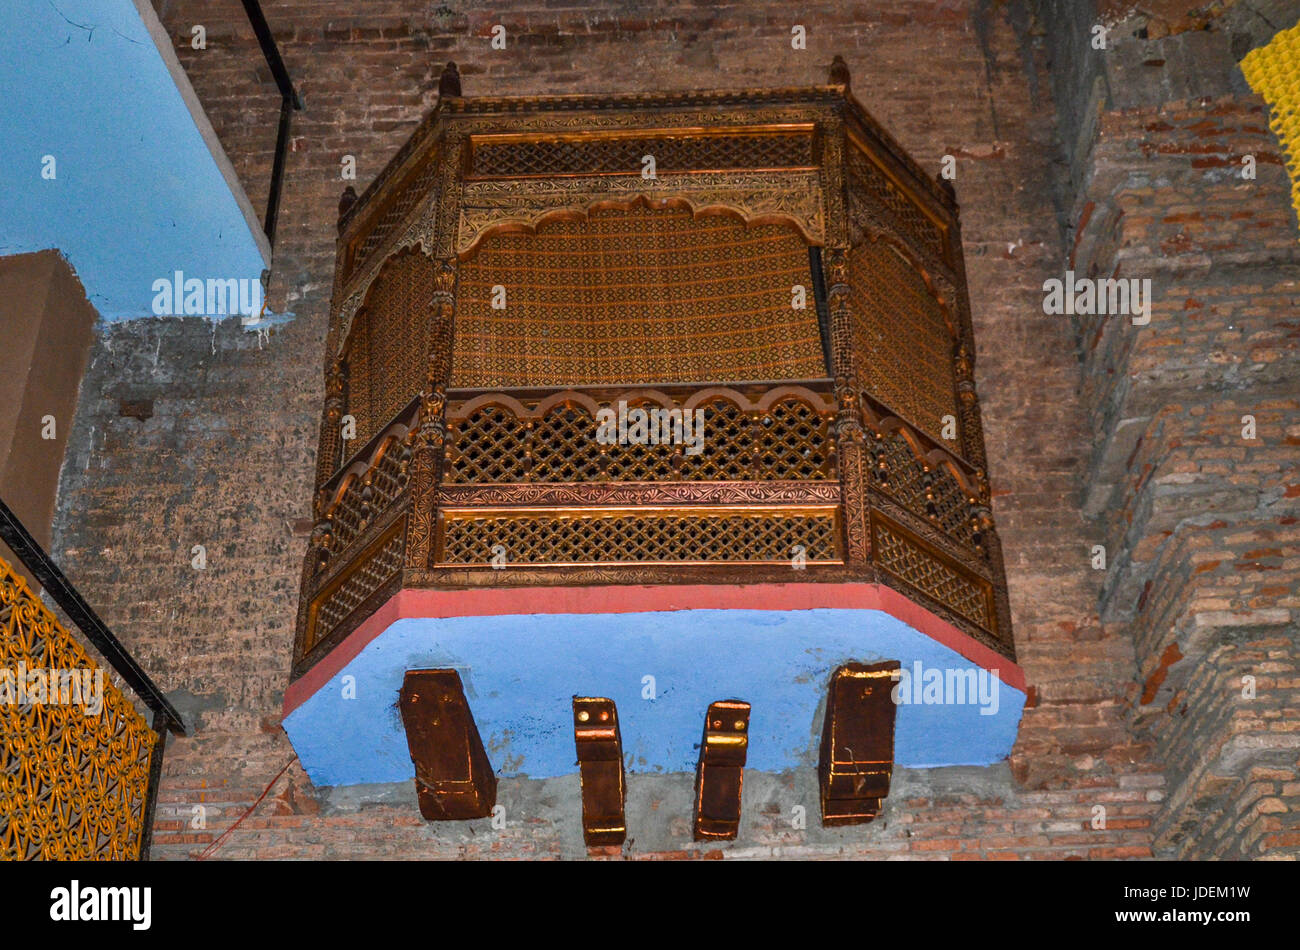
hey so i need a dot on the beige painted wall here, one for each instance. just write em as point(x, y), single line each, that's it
point(46, 328)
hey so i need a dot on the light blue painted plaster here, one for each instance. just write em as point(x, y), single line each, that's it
point(138, 194)
point(521, 672)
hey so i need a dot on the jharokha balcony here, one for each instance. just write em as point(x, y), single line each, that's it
point(664, 400)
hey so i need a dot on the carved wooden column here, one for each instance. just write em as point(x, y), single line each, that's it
point(428, 442)
point(429, 438)
point(850, 444)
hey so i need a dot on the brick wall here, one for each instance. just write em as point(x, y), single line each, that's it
point(1199, 521)
point(227, 458)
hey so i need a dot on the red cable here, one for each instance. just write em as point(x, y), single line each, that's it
point(213, 847)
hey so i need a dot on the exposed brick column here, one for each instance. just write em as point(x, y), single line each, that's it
point(1194, 479)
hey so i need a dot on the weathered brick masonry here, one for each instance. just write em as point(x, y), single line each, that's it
point(1198, 519)
point(1202, 548)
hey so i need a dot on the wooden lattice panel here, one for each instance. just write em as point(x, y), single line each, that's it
point(904, 345)
point(639, 295)
point(408, 194)
point(790, 440)
point(73, 785)
point(368, 495)
point(872, 180)
point(556, 537)
point(935, 495)
point(370, 573)
point(964, 594)
point(388, 350)
point(622, 154)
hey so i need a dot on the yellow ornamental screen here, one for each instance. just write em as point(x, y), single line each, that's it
point(1273, 71)
point(74, 752)
point(639, 295)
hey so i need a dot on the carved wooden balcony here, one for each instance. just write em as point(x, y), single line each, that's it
point(526, 267)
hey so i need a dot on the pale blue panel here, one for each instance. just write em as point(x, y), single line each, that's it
point(521, 672)
point(138, 195)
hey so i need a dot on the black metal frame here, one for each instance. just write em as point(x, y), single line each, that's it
point(56, 584)
point(289, 103)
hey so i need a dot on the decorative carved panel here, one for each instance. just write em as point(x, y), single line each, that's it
point(910, 560)
point(388, 349)
point(693, 536)
point(792, 197)
point(787, 437)
point(926, 490)
point(393, 211)
point(903, 337)
point(875, 182)
point(516, 156)
point(373, 570)
point(635, 295)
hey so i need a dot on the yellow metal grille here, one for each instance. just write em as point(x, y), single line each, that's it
point(391, 339)
point(639, 536)
point(73, 786)
point(1273, 71)
point(903, 342)
point(641, 295)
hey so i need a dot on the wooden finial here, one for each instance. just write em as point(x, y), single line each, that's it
point(839, 72)
point(346, 201)
point(449, 81)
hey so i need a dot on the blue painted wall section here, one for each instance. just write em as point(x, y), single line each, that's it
point(138, 194)
point(521, 672)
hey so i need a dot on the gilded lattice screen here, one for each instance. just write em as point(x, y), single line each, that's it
point(73, 783)
point(1273, 71)
point(641, 295)
point(514, 271)
point(631, 537)
point(903, 343)
point(391, 337)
